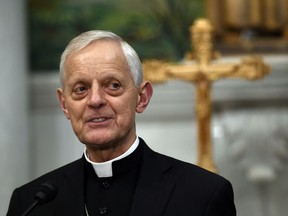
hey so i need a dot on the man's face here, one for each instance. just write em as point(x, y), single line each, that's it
point(100, 97)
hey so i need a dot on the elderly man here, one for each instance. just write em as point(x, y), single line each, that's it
point(102, 90)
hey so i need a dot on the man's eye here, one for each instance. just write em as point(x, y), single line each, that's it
point(115, 85)
point(80, 89)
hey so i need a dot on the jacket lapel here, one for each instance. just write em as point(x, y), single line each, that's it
point(73, 191)
point(154, 186)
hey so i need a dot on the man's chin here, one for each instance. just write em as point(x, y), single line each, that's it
point(99, 146)
point(97, 143)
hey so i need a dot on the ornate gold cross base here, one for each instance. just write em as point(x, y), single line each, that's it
point(203, 74)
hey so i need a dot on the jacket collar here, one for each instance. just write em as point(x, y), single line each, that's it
point(73, 190)
point(154, 186)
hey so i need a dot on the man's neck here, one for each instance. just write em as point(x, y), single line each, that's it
point(101, 154)
point(104, 169)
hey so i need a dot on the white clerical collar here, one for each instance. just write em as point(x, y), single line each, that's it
point(104, 169)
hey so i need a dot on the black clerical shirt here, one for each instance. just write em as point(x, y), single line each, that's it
point(113, 195)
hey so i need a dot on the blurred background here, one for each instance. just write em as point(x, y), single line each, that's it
point(250, 118)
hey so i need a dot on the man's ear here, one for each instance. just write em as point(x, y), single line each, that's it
point(62, 101)
point(145, 93)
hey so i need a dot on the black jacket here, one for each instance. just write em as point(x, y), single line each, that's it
point(166, 187)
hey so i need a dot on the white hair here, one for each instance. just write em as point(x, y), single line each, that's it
point(88, 37)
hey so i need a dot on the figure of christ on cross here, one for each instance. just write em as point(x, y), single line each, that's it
point(203, 73)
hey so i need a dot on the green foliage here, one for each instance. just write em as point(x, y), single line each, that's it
point(155, 28)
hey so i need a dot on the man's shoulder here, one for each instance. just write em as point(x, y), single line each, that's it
point(191, 178)
point(187, 167)
point(201, 190)
point(55, 175)
point(186, 171)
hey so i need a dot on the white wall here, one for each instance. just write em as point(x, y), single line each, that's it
point(14, 126)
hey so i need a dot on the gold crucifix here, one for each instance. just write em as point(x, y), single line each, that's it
point(203, 74)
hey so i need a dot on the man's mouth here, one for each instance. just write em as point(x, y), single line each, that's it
point(96, 120)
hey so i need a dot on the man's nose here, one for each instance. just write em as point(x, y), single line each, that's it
point(97, 97)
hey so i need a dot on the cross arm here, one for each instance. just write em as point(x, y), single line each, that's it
point(250, 68)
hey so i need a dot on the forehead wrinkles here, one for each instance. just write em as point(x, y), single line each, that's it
point(100, 53)
point(98, 57)
point(104, 49)
point(106, 41)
